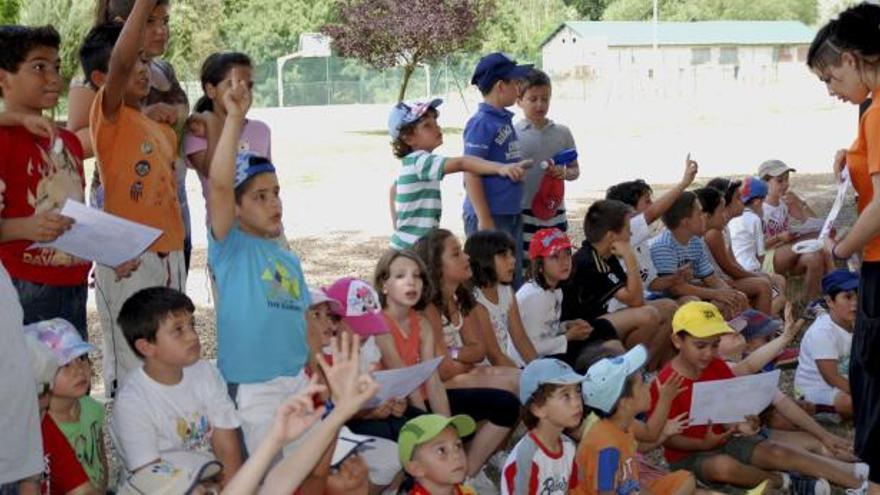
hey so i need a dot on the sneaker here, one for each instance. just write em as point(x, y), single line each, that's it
point(805, 485)
point(862, 490)
point(482, 484)
point(862, 471)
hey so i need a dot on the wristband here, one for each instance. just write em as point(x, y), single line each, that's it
point(453, 352)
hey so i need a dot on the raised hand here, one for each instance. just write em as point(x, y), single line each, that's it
point(691, 168)
point(349, 389)
point(674, 426)
point(297, 414)
point(237, 99)
point(669, 390)
point(793, 326)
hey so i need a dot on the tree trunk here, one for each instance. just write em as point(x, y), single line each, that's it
point(408, 70)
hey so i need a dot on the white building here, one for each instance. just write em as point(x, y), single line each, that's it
point(735, 48)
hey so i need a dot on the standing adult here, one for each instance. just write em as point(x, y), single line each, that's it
point(845, 55)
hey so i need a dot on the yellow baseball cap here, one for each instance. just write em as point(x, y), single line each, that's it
point(700, 319)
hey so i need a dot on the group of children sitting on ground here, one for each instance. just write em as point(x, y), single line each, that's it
point(595, 354)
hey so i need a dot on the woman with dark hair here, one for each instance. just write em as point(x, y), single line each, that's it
point(845, 55)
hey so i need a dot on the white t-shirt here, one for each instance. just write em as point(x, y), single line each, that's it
point(776, 218)
point(823, 340)
point(21, 445)
point(498, 313)
point(530, 464)
point(540, 310)
point(150, 418)
point(747, 240)
point(642, 235)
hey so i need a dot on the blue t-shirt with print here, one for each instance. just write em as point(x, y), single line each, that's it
point(262, 299)
point(490, 135)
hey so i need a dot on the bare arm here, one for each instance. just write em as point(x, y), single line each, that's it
point(715, 240)
point(224, 442)
point(633, 295)
point(518, 335)
point(474, 187)
point(479, 166)
point(80, 101)
point(867, 225)
point(448, 367)
point(124, 57)
point(663, 203)
point(757, 360)
point(392, 194)
point(437, 397)
point(221, 204)
point(831, 375)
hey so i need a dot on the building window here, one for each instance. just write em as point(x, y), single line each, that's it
point(729, 56)
point(782, 54)
point(700, 56)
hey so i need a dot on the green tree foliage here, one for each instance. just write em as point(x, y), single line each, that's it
point(519, 26)
point(706, 10)
point(589, 9)
point(193, 37)
point(9, 11)
point(72, 19)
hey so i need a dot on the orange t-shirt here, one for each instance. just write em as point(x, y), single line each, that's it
point(863, 160)
point(135, 158)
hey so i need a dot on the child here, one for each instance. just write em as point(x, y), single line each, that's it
point(135, 155)
point(79, 417)
point(606, 457)
point(495, 202)
point(260, 286)
point(21, 458)
point(482, 392)
point(543, 460)
point(779, 207)
point(493, 260)
point(176, 401)
point(400, 280)
point(823, 364)
point(756, 286)
point(431, 451)
point(731, 454)
point(43, 168)
point(210, 113)
point(598, 276)
point(639, 196)
point(747, 230)
point(539, 140)
point(415, 195)
point(540, 301)
point(361, 313)
point(680, 248)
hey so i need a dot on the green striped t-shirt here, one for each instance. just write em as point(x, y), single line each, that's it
point(417, 201)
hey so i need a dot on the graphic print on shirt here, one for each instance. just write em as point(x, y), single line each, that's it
point(88, 451)
point(194, 433)
point(283, 291)
point(614, 474)
point(58, 178)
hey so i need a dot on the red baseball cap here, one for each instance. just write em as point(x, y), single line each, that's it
point(547, 242)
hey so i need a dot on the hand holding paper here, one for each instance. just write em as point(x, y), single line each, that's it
point(732, 400)
point(399, 383)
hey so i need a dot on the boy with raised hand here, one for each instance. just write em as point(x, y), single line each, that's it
point(135, 157)
point(262, 295)
point(432, 453)
point(732, 454)
point(606, 457)
point(415, 195)
point(176, 401)
point(543, 461)
point(680, 250)
point(42, 166)
point(822, 375)
point(495, 202)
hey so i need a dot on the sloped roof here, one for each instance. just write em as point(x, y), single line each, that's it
point(641, 33)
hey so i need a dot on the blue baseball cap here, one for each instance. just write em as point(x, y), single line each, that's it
point(495, 67)
point(755, 324)
point(753, 187)
point(840, 280)
point(408, 112)
point(249, 164)
point(547, 370)
point(605, 379)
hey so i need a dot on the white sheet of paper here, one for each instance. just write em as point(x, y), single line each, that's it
point(101, 237)
point(731, 400)
point(401, 382)
point(842, 188)
point(810, 226)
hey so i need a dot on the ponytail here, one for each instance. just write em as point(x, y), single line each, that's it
point(856, 30)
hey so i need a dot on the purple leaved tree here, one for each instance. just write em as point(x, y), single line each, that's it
point(388, 33)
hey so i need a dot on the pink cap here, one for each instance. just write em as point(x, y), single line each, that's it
point(360, 308)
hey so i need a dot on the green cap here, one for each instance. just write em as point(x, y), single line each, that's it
point(426, 427)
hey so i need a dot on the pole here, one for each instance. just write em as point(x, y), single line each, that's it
point(428, 80)
point(280, 65)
